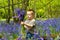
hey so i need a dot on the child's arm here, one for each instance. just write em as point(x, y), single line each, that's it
point(28, 26)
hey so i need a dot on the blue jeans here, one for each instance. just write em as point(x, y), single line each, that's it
point(29, 35)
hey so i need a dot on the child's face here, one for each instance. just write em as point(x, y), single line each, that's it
point(30, 15)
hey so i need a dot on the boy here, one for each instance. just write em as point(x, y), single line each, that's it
point(29, 24)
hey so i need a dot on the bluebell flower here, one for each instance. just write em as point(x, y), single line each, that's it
point(17, 10)
point(58, 29)
point(1, 29)
point(41, 38)
point(19, 39)
point(36, 36)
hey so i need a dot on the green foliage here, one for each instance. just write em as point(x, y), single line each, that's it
point(43, 8)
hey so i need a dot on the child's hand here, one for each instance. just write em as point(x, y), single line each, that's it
point(22, 23)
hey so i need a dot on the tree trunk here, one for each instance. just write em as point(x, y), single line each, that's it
point(8, 17)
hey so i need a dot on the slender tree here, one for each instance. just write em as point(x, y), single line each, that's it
point(8, 17)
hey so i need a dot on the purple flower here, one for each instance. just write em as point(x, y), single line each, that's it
point(40, 39)
point(17, 10)
point(19, 38)
point(1, 29)
point(58, 29)
point(36, 36)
